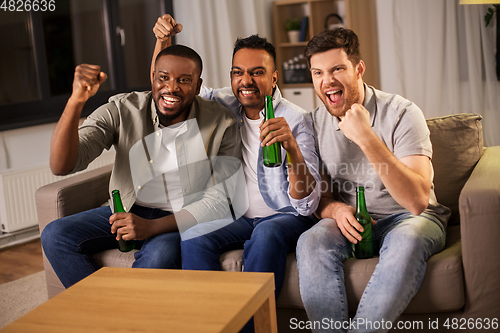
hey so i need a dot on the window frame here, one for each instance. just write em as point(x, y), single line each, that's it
point(47, 108)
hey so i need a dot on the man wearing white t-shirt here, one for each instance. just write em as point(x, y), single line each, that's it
point(281, 199)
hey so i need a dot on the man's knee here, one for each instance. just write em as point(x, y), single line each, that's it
point(267, 232)
point(324, 237)
point(52, 232)
point(167, 256)
point(204, 242)
point(416, 239)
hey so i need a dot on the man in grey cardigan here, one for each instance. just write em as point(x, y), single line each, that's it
point(165, 141)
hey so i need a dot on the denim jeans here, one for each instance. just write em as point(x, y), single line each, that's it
point(406, 242)
point(69, 243)
point(266, 243)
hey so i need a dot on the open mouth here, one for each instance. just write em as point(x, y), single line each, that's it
point(170, 101)
point(334, 96)
point(245, 92)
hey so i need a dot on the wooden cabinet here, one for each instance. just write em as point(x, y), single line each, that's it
point(358, 15)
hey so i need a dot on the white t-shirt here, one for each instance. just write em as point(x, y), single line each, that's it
point(165, 190)
point(250, 134)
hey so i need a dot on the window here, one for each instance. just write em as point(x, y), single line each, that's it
point(40, 51)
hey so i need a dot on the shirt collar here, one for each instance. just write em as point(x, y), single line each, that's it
point(370, 103)
point(154, 115)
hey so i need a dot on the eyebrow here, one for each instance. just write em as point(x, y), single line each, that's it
point(167, 72)
point(330, 68)
point(250, 70)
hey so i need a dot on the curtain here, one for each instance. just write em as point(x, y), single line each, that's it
point(211, 27)
point(445, 60)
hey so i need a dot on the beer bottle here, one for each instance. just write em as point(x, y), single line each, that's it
point(271, 154)
point(363, 249)
point(123, 245)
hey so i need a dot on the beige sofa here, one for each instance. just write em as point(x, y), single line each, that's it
point(460, 282)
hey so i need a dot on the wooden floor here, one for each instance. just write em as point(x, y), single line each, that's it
point(20, 261)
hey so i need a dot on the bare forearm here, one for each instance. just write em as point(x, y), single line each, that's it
point(64, 143)
point(409, 188)
point(169, 223)
point(327, 207)
point(159, 46)
point(302, 183)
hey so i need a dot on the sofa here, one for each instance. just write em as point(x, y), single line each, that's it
point(461, 285)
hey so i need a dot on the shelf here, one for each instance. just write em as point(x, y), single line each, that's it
point(358, 15)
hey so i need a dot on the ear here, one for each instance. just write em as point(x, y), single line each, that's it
point(198, 86)
point(360, 69)
point(275, 78)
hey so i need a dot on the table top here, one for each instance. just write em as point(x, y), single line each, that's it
point(152, 300)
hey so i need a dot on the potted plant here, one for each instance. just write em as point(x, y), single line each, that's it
point(292, 26)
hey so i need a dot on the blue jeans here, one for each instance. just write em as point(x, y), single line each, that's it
point(266, 243)
point(69, 243)
point(406, 242)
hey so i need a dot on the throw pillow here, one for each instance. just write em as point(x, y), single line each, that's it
point(457, 143)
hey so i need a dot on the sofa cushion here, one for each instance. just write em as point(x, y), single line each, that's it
point(457, 143)
point(114, 258)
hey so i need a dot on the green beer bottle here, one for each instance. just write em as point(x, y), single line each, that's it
point(363, 249)
point(123, 245)
point(271, 154)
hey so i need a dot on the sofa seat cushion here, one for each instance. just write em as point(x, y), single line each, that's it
point(457, 143)
point(115, 258)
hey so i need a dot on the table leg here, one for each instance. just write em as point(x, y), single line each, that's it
point(265, 317)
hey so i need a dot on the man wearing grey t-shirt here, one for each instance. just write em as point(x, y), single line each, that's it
point(369, 138)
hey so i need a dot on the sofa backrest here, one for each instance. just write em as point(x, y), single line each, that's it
point(457, 143)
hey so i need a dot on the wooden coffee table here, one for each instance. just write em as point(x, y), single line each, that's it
point(154, 300)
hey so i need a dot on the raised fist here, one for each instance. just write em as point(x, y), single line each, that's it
point(166, 27)
point(88, 79)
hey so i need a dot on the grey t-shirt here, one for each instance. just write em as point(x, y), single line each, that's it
point(400, 125)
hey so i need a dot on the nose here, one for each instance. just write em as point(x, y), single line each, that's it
point(172, 85)
point(329, 79)
point(246, 79)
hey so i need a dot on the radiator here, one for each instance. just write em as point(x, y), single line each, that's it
point(17, 192)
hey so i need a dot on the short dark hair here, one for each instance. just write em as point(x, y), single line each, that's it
point(182, 51)
point(257, 43)
point(339, 38)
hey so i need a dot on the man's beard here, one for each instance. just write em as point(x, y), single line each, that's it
point(166, 119)
point(353, 97)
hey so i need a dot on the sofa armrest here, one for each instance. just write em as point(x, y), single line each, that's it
point(479, 205)
point(66, 197)
point(72, 195)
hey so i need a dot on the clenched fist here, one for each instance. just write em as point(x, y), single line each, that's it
point(88, 79)
point(166, 27)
